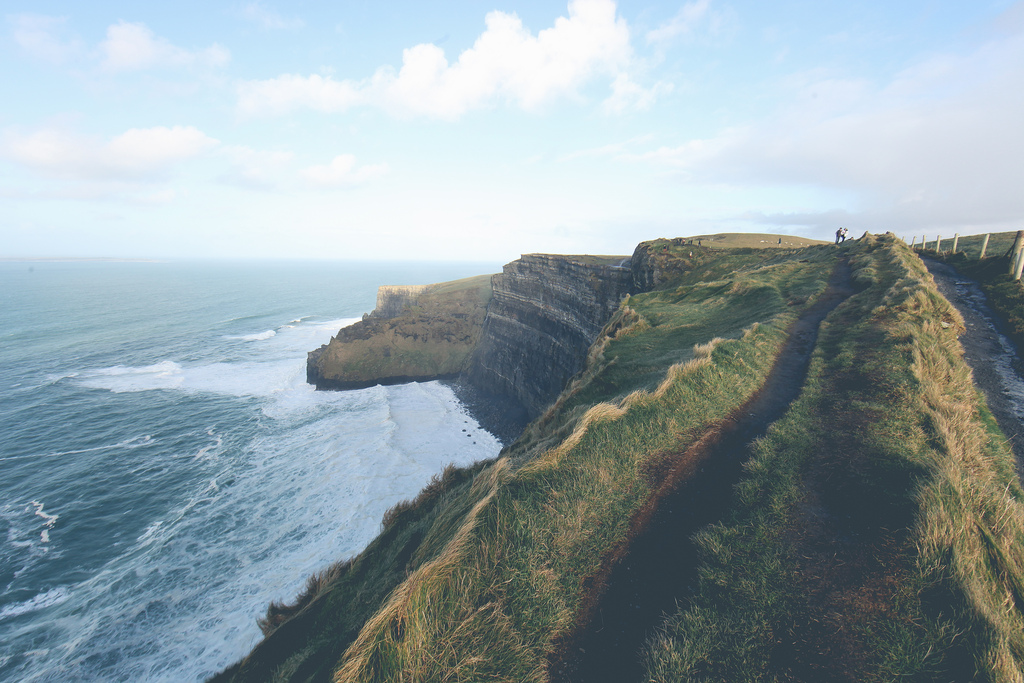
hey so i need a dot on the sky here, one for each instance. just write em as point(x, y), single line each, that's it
point(479, 131)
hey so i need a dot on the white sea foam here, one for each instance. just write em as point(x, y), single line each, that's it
point(119, 378)
point(308, 488)
point(259, 336)
point(205, 450)
point(48, 519)
point(50, 598)
point(280, 368)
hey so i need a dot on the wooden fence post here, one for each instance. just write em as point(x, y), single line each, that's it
point(913, 242)
point(984, 246)
point(938, 244)
point(1018, 244)
point(956, 239)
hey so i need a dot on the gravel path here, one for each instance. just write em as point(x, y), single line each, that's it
point(992, 357)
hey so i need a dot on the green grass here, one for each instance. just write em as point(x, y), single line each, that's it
point(878, 532)
point(588, 259)
point(304, 640)
point(970, 245)
point(879, 529)
point(480, 283)
point(751, 240)
point(511, 582)
point(715, 294)
point(480, 578)
point(432, 338)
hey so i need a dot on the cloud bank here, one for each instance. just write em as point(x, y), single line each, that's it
point(507, 63)
point(138, 154)
point(939, 144)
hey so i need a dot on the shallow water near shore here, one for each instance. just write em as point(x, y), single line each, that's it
point(165, 471)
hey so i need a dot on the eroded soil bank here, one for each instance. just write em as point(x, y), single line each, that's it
point(992, 357)
point(659, 567)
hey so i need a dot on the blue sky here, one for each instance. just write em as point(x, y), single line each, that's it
point(482, 130)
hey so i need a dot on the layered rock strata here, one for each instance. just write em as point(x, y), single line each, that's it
point(545, 312)
point(511, 356)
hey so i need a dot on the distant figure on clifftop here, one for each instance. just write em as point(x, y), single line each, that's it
point(840, 235)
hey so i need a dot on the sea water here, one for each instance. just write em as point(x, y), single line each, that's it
point(165, 470)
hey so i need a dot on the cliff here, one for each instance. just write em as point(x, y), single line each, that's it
point(392, 300)
point(416, 333)
point(828, 549)
point(512, 339)
point(545, 312)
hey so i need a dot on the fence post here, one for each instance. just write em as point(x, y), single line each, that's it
point(938, 244)
point(913, 242)
point(956, 238)
point(984, 246)
point(1018, 244)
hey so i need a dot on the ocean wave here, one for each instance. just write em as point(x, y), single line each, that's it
point(219, 441)
point(259, 336)
point(48, 599)
point(48, 519)
point(134, 442)
point(123, 378)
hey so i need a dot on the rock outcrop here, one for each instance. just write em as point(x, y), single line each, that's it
point(545, 312)
point(512, 356)
point(416, 333)
point(392, 300)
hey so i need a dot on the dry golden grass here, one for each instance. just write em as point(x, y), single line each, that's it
point(511, 580)
point(890, 413)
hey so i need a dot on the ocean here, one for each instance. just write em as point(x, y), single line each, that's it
point(165, 470)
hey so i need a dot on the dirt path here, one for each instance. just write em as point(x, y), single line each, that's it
point(992, 357)
point(644, 581)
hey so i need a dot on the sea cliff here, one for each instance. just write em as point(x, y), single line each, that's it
point(546, 311)
point(416, 333)
point(882, 545)
point(511, 340)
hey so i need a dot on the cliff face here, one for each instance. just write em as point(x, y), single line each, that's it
point(392, 300)
point(656, 261)
point(421, 332)
point(545, 312)
point(512, 355)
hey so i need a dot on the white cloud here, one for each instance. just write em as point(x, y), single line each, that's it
point(268, 19)
point(137, 154)
point(507, 63)
point(693, 19)
point(939, 144)
point(133, 47)
point(342, 171)
point(44, 37)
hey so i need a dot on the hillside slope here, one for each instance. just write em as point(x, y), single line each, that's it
point(500, 555)
point(879, 531)
point(876, 533)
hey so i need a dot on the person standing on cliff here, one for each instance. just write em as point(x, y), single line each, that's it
point(839, 234)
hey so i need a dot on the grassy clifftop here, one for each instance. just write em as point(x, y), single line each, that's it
point(489, 568)
point(876, 534)
point(431, 338)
